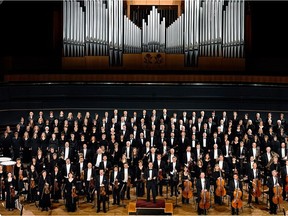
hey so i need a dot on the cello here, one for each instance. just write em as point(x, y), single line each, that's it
point(187, 192)
point(237, 202)
point(256, 183)
point(205, 200)
point(220, 182)
point(277, 198)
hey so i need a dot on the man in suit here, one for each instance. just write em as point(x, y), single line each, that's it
point(159, 165)
point(234, 185)
point(89, 182)
point(86, 153)
point(116, 182)
point(174, 169)
point(102, 190)
point(126, 174)
point(151, 183)
point(253, 174)
point(282, 152)
point(202, 185)
point(67, 168)
point(272, 182)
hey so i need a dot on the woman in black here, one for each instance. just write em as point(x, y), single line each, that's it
point(2, 183)
point(215, 175)
point(44, 191)
point(139, 175)
point(33, 178)
point(10, 189)
point(70, 186)
point(56, 187)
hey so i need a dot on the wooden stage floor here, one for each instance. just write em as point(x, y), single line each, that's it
point(183, 209)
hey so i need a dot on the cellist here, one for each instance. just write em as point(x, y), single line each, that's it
point(253, 174)
point(271, 183)
point(235, 184)
point(202, 185)
point(186, 176)
point(217, 174)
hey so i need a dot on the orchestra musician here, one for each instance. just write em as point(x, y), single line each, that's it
point(33, 177)
point(126, 174)
point(174, 169)
point(139, 179)
point(151, 177)
point(56, 179)
point(186, 176)
point(273, 181)
point(284, 177)
point(2, 183)
point(217, 174)
point(70, 193)
point(101, 190)
point(115, 182)
point(44, 191)
point(202, 184)
point(253, 174)
point(89, 182)
point(10, 192)
point(234, 185)
point(160, 166)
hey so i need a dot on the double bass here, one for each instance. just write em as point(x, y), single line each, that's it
point(277, 198)
point(256, 184)
point(237, 201)
point(205, 200)
point(220, 189)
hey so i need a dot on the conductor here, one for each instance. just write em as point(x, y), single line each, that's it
point(151, 184)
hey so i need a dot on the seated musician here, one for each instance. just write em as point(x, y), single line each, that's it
point(101, 188)
point(284, 177)
point(115, 182)
point(186, 176)
point(202, 185)
point(234, 185)
point(271, 183)
point(253, 174)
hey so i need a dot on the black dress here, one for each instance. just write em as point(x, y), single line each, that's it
point(140, 185)
point(70, 201)
point(10, 186)
point(44, 188)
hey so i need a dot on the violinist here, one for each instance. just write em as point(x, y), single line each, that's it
point(101, 188)
point(44, 190)
point(159, 165)
point(126, 175)
point(115, 182)
point(70, 195)
point(284, 178)
point(174, 169)
point(254, 174)
point(139, 179)
point(151, 177)
point(89, 182)
point(2, 183)
point(235, 184)
point(10, 187)
point(33, 177)
point(56, 186)
point(202, 186)
point(271, 183)
point(186, 177)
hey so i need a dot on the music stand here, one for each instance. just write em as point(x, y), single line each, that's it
point(122, 198)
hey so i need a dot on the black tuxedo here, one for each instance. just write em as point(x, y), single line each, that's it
point(199, 188)
point(208, 146)
point(64, 170)
point(88, 156)
point(271, 184)
point(232, 188)
point(115, 190)
point(253, 175)
point(174, 177)
point(151, 183)
point(78, 171)
point(101, 198)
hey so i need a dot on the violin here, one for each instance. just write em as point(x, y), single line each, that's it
point(129, 184)
point(32, 183)
point(56, 187)
point(160, 175)
point(12, 191)
point(237, 202)
point(286, 186)
point(91, 183)
point(102, 191)
point(116, 186)
point(82, 175)
point(277, 198)
point(46, 189)
point(220, 190)
point(73, 192)
point(205, 200)
point(256, 183)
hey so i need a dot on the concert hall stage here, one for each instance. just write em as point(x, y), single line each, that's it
point(141, 207)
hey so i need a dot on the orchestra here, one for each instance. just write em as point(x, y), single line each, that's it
point(203, 159)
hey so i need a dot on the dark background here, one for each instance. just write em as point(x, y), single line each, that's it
point(28, 44)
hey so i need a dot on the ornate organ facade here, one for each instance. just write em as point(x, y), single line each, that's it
point(182, 34)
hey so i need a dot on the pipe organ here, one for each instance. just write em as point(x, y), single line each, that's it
point(206, 28)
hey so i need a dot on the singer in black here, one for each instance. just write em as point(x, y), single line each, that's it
point(202, 185)
point(151, 183)
point(271, 183)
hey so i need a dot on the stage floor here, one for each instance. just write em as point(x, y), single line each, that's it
point(183, 209)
